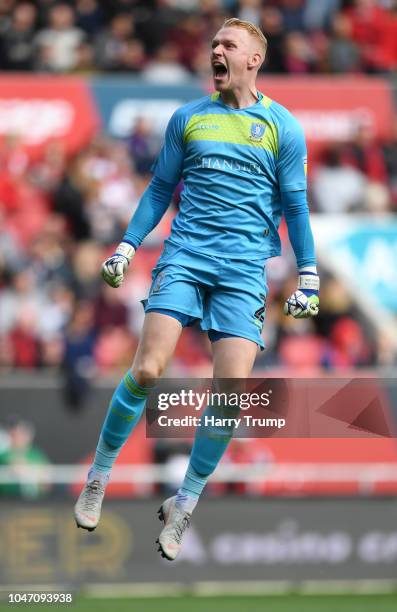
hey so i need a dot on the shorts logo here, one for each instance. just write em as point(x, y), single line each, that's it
point(257, 131)
point(157, 282)
point(305, 165)
point(260, 313)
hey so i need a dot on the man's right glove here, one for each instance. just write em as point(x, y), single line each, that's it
point(114, 268)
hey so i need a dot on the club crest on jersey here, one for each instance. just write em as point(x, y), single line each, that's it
point(257, 131)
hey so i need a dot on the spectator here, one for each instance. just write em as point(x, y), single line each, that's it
point(337, 187)
point(18, 39)
point(56, 312)
point(389, 39)
point(112, 198)
point(142, 146)
point(250, 10)
point(188, 36)
point(85, 60)
point(47, 172)
point(22, 296)
point(298, 54)
point(293, 14)
point(366, 154)
point(133, 58)
point(6, 9)
point(369, 23)
point(58, 44)
point(390, 157)
point(69, 201)
point(89, 16)
point(86, 261)
point(24, 339)
point(78, 362)
point(110, 310)
point(200, 65)
point(111, 43)
point(165, 68)
point(319, 14)
point(343, 53)
point(272, 26)
point(21, 454)
point(11, 257)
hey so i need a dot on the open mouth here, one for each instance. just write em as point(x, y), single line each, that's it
point(219, 70)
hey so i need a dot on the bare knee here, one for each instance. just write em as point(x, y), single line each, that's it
point(147, 372)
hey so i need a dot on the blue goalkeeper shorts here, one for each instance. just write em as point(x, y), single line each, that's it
point(225, 295)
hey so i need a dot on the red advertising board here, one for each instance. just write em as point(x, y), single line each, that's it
point(42, 108)
point(331, 108)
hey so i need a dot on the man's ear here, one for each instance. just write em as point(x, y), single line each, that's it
point(254, 60)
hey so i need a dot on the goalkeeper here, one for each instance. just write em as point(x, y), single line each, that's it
point(242, 157)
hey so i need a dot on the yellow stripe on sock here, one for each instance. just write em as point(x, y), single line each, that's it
point(133, 388)
point(126, 417)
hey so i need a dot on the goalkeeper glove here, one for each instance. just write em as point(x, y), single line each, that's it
point(114, 268)
point(304, 302)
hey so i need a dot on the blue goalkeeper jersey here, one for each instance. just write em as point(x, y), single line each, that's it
point(234, 164)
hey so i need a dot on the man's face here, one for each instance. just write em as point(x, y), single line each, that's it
point(231, 58)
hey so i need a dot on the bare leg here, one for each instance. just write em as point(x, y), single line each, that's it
point(233, 357)
point(159, 337)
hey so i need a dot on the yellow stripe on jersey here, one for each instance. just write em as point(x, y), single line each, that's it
point(266, 101)
point(234, 128)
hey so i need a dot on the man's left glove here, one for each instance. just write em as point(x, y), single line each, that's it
point(304, 302)
point(114, 268)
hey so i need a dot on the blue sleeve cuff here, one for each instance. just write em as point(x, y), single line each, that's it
point(131, 242)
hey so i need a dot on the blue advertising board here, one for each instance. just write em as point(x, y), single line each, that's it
point(364, 249)
point(121, 101)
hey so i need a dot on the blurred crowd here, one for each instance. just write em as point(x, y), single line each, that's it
point(164, 39)
point(60, 217)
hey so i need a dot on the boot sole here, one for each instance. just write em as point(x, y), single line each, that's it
point(160, 514)
point(83, 527)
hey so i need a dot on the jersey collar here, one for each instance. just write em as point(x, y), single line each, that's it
point(262, 100)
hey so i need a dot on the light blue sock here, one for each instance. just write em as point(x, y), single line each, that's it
point(125, 410)
point(210, 442)
point(105, 456)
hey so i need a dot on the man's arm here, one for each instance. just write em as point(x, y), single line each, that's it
point(151, 208)
point(296, 212)
point(292, 165)
point(153, 203)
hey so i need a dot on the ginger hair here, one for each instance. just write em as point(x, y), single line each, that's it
point(249, 27)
